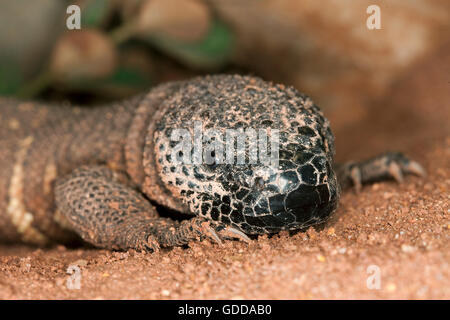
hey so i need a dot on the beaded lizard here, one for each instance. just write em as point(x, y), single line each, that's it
point(98, 173)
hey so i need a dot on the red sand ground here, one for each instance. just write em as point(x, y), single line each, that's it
point(402, 229)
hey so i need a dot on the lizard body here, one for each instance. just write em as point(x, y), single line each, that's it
point(97, 173)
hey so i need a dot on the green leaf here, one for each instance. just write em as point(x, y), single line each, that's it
point(95, 13)
point(10, 78)
point(123, 78)
point(128, 77)
point(212, 52)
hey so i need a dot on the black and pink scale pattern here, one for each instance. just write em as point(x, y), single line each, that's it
point(253, 198)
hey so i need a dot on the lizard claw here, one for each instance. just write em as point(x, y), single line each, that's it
point(213, 235)
point(233, 233)
point(401, 164)
point(217, 234)
point(396, 172)
point(355, 175)
point(415, 168)
point(204, 229)
point(152, 244)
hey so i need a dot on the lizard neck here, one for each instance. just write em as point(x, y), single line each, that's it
point(140, 149)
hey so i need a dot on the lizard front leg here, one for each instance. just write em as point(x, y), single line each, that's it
point(390, 165)
point(103, 208)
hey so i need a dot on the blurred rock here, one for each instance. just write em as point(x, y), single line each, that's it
point(425, 88)
point(135, 72)
point(412, 116)
point(325, 49)
point(83, 54)
point(183, 20)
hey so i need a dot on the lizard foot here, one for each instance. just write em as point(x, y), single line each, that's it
point(151, 244)
point(390, 165)
point(186, 231)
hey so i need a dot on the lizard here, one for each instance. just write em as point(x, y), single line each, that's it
point(101, 174)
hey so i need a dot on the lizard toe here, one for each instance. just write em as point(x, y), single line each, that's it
point(232, 233)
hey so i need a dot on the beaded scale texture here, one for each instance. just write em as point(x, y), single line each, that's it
point(99, 173)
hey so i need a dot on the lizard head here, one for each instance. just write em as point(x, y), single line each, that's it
point(247, 154)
